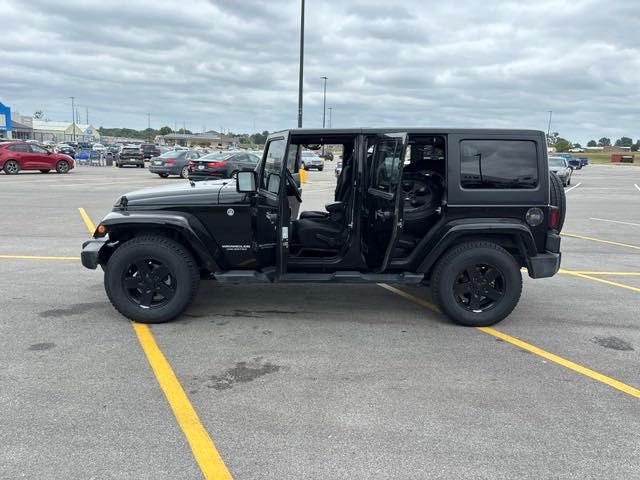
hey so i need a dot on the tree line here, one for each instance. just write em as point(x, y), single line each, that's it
point(150, 133)
point(563, 145)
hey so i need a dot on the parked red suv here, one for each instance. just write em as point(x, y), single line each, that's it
point(16, 156)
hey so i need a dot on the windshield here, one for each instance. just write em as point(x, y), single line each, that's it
point(216, 156)
point(172, 154)
point(556, 162)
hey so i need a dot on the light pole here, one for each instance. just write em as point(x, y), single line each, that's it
point(330, 112)
point(549, 126)
point(73, 118)
point(301, 65)
point(324, 100)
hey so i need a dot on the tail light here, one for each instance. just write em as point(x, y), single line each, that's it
point(554, 217)
point(191, 163)
point(169, 161)
point(216, 164)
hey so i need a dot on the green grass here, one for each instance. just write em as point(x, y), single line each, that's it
point(604, 157)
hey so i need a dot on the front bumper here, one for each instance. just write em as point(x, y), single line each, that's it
point(90, 255)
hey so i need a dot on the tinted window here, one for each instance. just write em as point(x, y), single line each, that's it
point(272, 169)
point(255, 159)
point(386, 165)
point(37, 149)
point(216, 156)
point(498, 164)
point(19, 147)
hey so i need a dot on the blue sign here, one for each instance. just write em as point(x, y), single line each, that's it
point(5, 117)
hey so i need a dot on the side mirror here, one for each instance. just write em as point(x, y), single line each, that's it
point(246, 181)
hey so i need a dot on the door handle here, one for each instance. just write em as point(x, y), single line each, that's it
point(272, 217)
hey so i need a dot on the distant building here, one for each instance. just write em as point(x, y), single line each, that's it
point(5, 121)
point(48, 131)
point(208, 139)
point(21, 126)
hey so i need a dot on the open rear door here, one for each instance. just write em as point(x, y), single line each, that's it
point(385, 187)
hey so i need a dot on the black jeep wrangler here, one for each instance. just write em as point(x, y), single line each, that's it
point(459, 211)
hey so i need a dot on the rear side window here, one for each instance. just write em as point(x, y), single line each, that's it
point(19, 147)
point(498, 164)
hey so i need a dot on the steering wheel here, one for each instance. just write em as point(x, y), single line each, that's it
point(292, 183)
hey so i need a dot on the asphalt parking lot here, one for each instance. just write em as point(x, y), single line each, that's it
point(315, 382)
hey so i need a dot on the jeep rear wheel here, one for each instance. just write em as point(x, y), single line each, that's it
point(477, 284)
point(557, 197)
point(151, 279)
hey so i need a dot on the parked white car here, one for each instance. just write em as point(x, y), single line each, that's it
point(576, 150)
point(98, 147)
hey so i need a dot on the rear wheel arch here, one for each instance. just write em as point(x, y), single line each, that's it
point(516, 243)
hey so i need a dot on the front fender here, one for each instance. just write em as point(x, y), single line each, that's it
point(186, 224)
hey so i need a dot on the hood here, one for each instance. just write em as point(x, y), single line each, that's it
point(208, 193)
point(556, 169)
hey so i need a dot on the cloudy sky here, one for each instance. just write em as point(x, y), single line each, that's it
point(233, 64)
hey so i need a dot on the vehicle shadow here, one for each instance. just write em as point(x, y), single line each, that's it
point(363, 304)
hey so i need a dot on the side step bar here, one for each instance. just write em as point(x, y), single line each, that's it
point(252, 276)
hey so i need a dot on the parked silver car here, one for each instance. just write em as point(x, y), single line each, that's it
point(560, 166)
point(311, 160)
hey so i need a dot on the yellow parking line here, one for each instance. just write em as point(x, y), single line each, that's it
point(623, 387)
point(600, 273)
point(87, 221)
point(408, 296)
point(36, 257)
point(204, 451)
point(601, 280)
point(637, 247)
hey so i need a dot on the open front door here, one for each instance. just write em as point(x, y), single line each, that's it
point(385, 191)
point(272, 207)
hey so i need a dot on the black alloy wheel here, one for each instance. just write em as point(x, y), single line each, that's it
point(149, 283)
point(476, 284)
point(479, 287)
point(62, 166)
point(11, 167)
point(151, 279)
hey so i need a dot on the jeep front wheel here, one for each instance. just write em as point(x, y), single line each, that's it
point(151, 279)
point(477, 284)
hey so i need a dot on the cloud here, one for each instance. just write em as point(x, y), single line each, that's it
point(224, 63)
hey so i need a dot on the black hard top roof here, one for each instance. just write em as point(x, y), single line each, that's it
point(428, 131)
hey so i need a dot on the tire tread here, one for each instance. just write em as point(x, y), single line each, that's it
point(185, 257)
point(448, 257)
